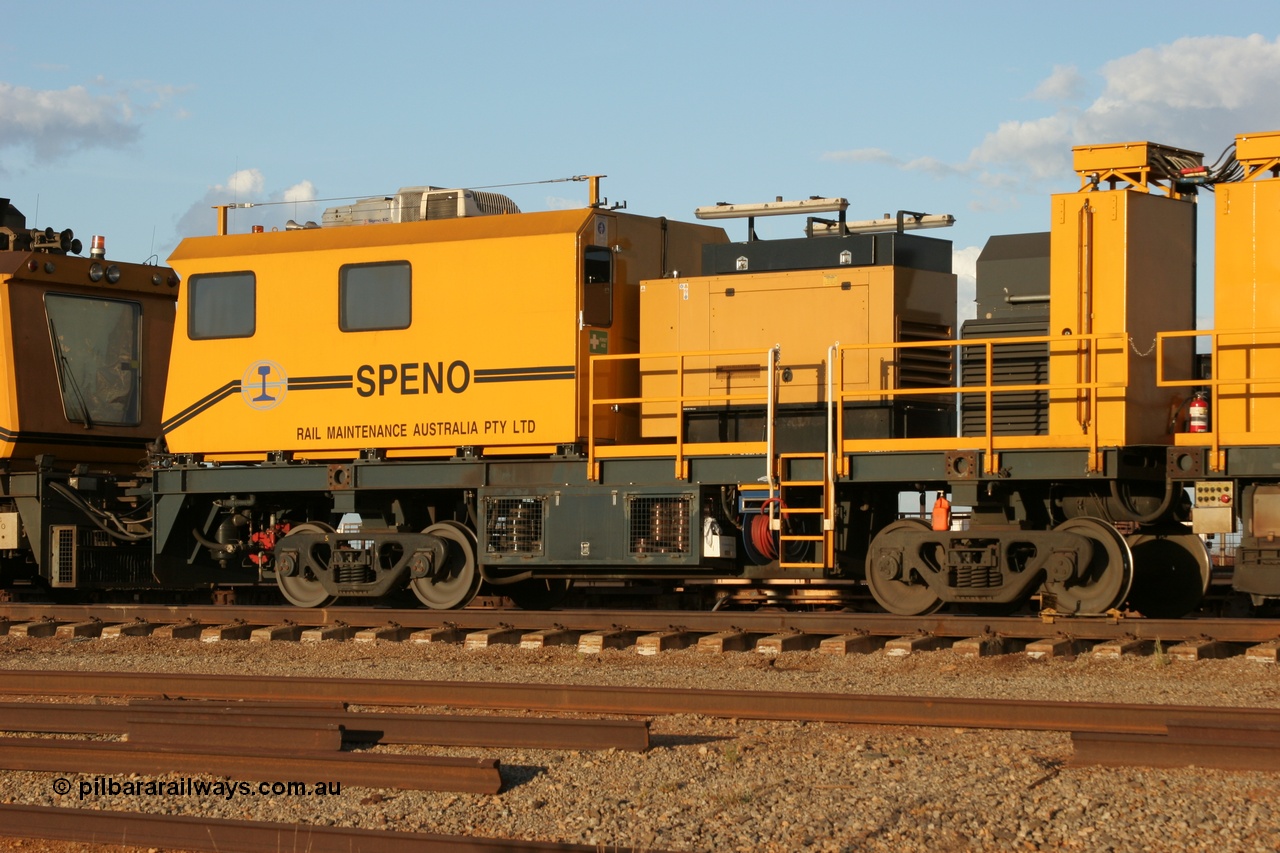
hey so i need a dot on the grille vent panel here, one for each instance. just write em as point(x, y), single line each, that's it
point(659, 525)
point(515, 525)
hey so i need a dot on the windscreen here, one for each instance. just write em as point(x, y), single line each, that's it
point(96, 352)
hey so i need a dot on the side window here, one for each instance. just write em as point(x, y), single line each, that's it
point(222, 305)
point(597, 286)
point(96, 353)
point(374, 296)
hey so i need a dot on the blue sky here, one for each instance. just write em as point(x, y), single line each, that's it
point(130, 119)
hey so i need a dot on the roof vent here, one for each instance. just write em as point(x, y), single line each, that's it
point(415, 204)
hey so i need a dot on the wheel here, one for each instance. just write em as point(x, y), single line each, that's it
point(903, 597)
point(1105, 582)
point(1171, 573)
point(302, 589)
point(455, 581)
point(537, 593)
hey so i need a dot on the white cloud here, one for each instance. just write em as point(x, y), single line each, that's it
point(554, 202)
point(1041, 147)
point(931, 165)
point(964, 263)
point(1064, 84)
point(1208, 72)
point(269, 209)
point(51, 123)
point(1195, 93)
point(304, 191)
point(160, 94)
point(862, 155)
point(241, 186)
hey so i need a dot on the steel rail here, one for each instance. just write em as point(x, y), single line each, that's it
point(698, 621)
point(407, 772)
point(172, 832)
point(642, 701)
point(168, 731)
point(239, 725)
point(1182, 746)
point(1228, 731)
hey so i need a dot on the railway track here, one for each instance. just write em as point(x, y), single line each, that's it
point(1103, 734)
point(316, 725)
point(283, 726)
point(285, 740)
point(650, 632)
point(305, 710)
point(612, 699)
point(267, 737)
point(175, 832)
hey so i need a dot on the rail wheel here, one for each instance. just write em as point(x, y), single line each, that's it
point(1105, 582)
point(537, 593)
point(1171, 573)
point(303, 588)
point(884, 575)
point(455, 581)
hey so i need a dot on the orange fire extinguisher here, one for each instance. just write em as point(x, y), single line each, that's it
point(1198, 413)
point(941, 513)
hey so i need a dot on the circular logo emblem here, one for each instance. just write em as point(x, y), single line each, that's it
point(264, 385)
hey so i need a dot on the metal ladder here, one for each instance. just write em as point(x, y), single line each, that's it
point(784, 510)
point(824, 541)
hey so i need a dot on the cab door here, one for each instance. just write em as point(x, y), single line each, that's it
point(599, 332)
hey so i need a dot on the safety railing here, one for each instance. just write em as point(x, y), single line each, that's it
point(671, 369)
point(1235, 356)
point(1087, 349)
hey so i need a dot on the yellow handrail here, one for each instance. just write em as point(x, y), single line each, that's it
point(1245, 341)
point(1087, 346)
point(681, 399)
point(988, 442)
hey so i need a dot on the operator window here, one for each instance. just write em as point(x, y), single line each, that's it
point(96, 351)
point(372, 297)
point(597, 286)
point(222, 305)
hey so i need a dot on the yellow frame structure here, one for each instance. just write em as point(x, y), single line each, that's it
point(679, 401)
point(1130, 163)
point(1092, 346)
point(1238, 386)
point(988, 442)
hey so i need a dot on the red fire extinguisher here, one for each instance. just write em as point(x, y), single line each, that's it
point(1198, 413)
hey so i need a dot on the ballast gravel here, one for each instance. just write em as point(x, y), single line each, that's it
point(745, 785)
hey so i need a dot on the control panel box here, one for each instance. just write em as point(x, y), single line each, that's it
point(1214, 509)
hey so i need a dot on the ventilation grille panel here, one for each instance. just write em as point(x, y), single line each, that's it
point(62, 556)
point(659, 525)
point(924, 367)
point(514, 525)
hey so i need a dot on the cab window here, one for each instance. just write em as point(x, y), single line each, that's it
point(374, 296)
point(96, 354)
point(222, 305)
point(597, 286)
